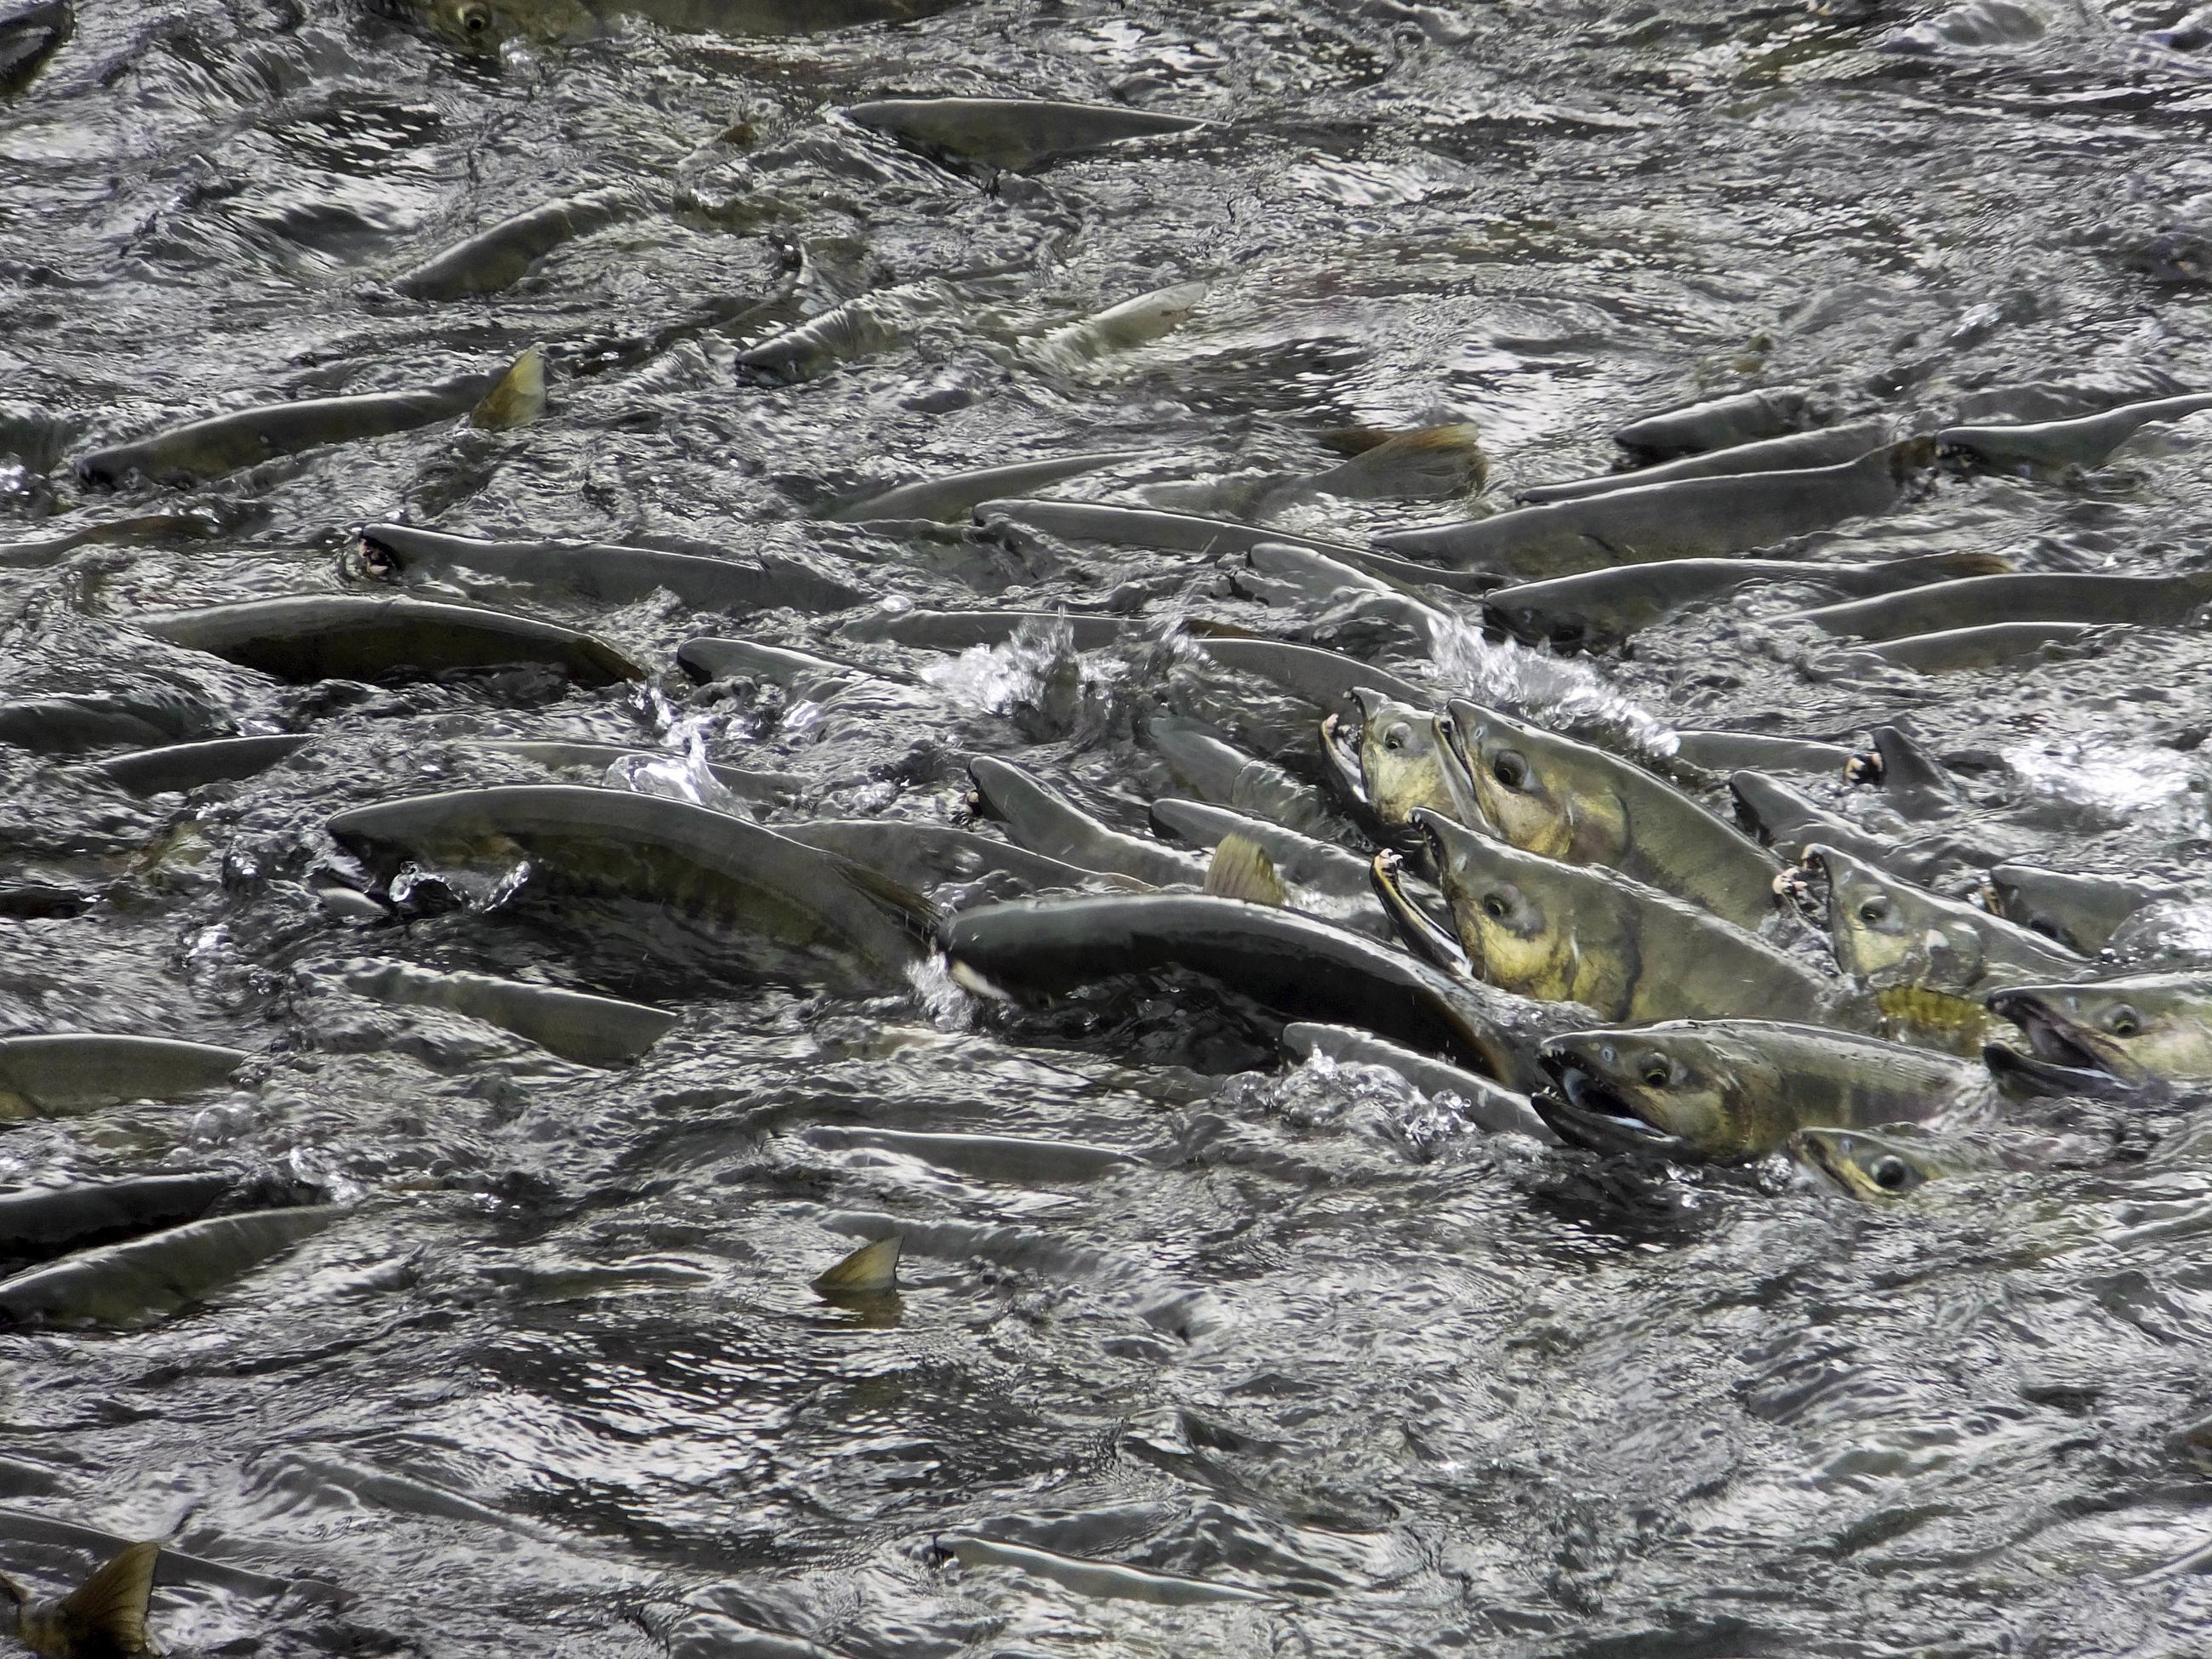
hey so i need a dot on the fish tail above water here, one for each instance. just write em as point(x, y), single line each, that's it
point(1242, 870)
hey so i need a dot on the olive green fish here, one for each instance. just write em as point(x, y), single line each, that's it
point(1824, 447)
point(104, 1618)
point(1016, 133)
point(149, 1278)
point(64, 1072)
point(2081, 911)
point(1878, 1167)
point(1733, 1090)
point(2138, 1029)
point(499, 255)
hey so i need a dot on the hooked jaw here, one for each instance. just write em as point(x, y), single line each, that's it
point(1586, 1108)
point(2062, 1054)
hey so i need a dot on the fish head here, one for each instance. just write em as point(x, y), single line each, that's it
point(1882, 932)
point(2138, 1030)
point(1866, 1166)
point(1400, 766)
point(1503, 764)
point(1660, 1087)
point(474, 25)
point(1513, 936)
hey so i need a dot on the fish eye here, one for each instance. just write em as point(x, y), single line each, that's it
point(1875, 909)
point(1495, 907)
point(1890, 1172)
point(1509, 768)
point(1656, 1071)
point(2124, 1022)
point(1398, 735)
point(476, 18)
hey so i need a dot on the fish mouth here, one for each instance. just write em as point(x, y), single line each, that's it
point(1587, 1111)
point(2059, 1049)
point(378, 562)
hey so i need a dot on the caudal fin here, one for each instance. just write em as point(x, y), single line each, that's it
point(1241, 870)
point(520, 397)
point(108, 1610)
point(872, 1270)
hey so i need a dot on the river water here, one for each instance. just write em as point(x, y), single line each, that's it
point(557, 1384)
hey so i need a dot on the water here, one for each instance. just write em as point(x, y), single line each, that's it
point(556, 1385)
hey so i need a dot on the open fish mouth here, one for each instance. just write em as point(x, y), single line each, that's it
point(1588, 1112)
point(2057, 1041)
point(1339, 749)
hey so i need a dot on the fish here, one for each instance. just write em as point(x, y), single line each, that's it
point(478, 26)
point(71, 724)
point(499, 255)
point(1404, 763)
point(1490, 1107)
point(207, 448)
point(382, 637)
point(1043, 820)
point(557, 755)
point(2084, 441)
point(1998, 645)
point(1132, 323)
point(1823, 446)
point(1946, 956)
point(2138, 1029)
point(104, 1618)
point(1562, 800)
point(1136, 527)
point(1323, 678)
point(610, 572)
point(806, 677)
point(1596, 609)
point(963, 630)
point(1744, 417)
point(1014, 133)
point(61, 1071)
point(1693, 518)
point(1322, 578)
point(1563, 932)
point(1101, 1580)
point(1324, 879)
point(1219, 772)
point(183, 767)
point(30, 34)
point(518, 398)
point(1424, 463)
point(1731, 1091)
point(2081, 911)
point(927, 857)
point(1917, 783)
point(858, 327)
point(1878, 1167)
point(766, 903)
point(946, 498)
point(1787, 822)
point(872, 1270)
point(1738, 752)
point(2042, 597)
point(37, 1223)
point(152, 1277)
point(1294, 965)
point(592, 1030)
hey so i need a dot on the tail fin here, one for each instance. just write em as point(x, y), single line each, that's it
point(520, 397)
point(1242, 870)
point(872, 1270)
point(108, 1610)
point(1923, 568)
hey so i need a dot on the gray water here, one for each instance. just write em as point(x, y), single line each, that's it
point(556, 1385)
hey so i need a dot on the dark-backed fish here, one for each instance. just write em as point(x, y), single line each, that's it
point(499, 255)
point(1135, 526)
point(1490, 1105)
point(138, 1282)
point(610, 572)
point(768, 903)
point(82, 1071)
point(956, 496)
point(187, 766)
point(1996, 646)
point(1325, 881)
point(31, 32)
point(2085, 441)
point(2138, 1029)
point(375, 636)
point(804, 675)
point(1696, 517)
point(928, 857)
point(1045, 821)
point(1974, 601)
point(1744, 417)
point(1735, 752)
point(592, 1030)
point(1787, 822)
point(1323, 678)
point(1824, 447)
point(37, 1223)
point(1221, 773)
point(2081, 911)
point(1732, 1090)
point(1016, 133)
point(1292, 964)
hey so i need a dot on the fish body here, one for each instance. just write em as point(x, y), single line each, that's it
point(1324, 879)
point(1787, 822)
point(1218, 772)
point(104, 1618)
point(380, 637)
point(1737, 752)
point(1994, 646)
point(1123, 327)
point(29, 36)
point(858, 327)
point(1492, 1107)
point(1733, 1090)
point(763, 898)
point(518, 399)
point(2083, 440)
point(480, 26)
point(1423, 464)
point(963, 630)
point(149, 1278)
point(803, 674)
point(563, 755)
point(499, 255)
point(1567, 800)
point(592, 1030)
point(1563, 932)
point(207, 448)
point(2138, 1029)
point(1976, 601)
point(1045, 821)
point(1323, 678)
point(1694, 518)
point(187, 766)
point(1594, 608)
point(1015, 133)
point(1794, 452)
point(82, 1071)
point(1292, 964)
point(1744, 417)
point(927, 857)
point(2082, 912)
point(1137, 526)
point(946, 498)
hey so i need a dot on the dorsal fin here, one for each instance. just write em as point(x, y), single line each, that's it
point(1241, 869)
point(872, 1270)
point(109, 1606)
